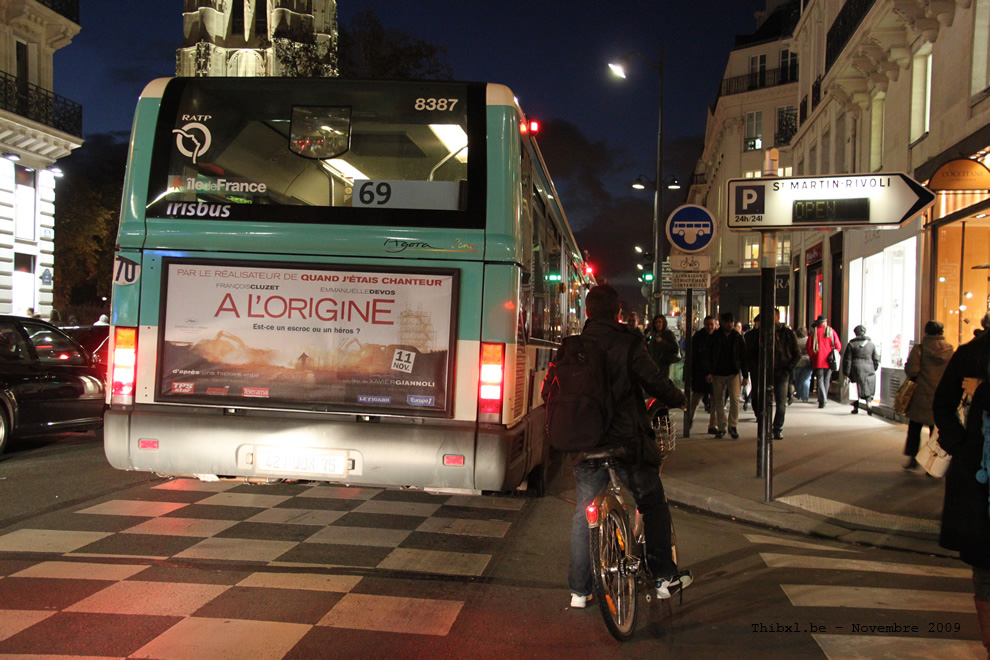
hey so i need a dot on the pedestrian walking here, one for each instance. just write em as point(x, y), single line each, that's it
point(727, 361)
point(859, 364)
point(746, 391)
point(632, 320)
point(701, 387)
point(965, 516)
point(802, 371)
point(662, 345)
point(926, 363)
point(785, 355)
point(630, 371)
point(750, 338)
point(823, 340)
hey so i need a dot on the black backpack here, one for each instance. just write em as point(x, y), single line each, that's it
point(578, 392)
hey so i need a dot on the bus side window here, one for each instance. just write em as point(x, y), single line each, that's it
point(557, 279)
point(541, 269)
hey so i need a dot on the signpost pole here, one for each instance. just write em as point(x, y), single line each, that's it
point(690, 228)
point(768, 271)
point(688, 331)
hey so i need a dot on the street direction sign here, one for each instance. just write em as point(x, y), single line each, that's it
point(688, 280)
point(690, 262)
point(690, 228)
point(825, 202)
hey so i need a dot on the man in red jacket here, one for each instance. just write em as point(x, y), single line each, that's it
point(821, 342)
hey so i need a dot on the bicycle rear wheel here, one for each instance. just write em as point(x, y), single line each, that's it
point(615, 587)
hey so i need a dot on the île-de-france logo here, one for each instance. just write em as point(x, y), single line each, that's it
point(193, 139)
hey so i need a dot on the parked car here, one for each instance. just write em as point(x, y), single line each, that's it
point(48, 382)
point(94, 338)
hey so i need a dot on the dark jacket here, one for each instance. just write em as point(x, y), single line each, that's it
point(730, 345)
point(663, 349)
point(699, 362)
point(785, 351)
point(859, 364)
point(630, 375)
point(925, 364)
point(965, 519)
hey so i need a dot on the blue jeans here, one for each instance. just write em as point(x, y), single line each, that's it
point(802, 383)
point(644, 482)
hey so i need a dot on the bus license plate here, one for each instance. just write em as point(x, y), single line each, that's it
point(305, 461)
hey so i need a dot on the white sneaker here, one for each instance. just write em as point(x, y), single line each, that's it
point(668, 586)
point(580, 602)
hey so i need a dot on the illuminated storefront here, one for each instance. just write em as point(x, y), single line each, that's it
point(883, 288)
point(961, 246)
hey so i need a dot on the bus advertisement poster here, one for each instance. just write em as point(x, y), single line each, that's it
point(310, 337)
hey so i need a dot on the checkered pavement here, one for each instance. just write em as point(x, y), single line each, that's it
point(187, 568)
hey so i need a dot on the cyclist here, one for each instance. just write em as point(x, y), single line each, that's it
point(630, 371)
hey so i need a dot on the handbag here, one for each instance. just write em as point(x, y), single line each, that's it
point(903, 396)
point(933, 458)
point(834, 359)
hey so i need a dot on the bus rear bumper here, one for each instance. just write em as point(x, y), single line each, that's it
point(448, 457)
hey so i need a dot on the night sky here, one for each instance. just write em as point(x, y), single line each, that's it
point(599, 131)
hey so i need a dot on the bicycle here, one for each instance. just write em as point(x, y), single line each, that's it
point(616, 538)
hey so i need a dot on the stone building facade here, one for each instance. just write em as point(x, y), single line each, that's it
point(236, 37)
point(37, 127)
point(899, 86)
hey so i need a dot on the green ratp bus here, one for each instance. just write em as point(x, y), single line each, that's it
point(358, 282)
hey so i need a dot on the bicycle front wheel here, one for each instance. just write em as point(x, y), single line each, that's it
point(615, 587)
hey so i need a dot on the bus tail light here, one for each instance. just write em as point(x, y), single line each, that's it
point(122, 365)
point(490, 390)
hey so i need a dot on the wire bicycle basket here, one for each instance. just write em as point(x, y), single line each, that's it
point(665, 432)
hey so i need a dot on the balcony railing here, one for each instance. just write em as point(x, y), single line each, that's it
point(816, 93)
point(67, 8)
point(844, 27)
point(804, 109)
point(40, 105)
point(759, 80)
point(787, 125)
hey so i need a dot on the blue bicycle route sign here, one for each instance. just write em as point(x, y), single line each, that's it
point(690, 228)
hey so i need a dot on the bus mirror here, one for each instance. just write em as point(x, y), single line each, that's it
point(320, 132)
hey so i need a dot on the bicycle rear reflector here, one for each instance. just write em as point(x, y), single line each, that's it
point(592, 514)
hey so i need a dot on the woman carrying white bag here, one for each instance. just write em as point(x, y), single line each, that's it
point(925, 364)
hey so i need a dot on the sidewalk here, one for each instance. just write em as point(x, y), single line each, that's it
point(835, 475)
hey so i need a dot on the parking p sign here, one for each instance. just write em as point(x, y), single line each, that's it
point(751, 199)
point(690, 228)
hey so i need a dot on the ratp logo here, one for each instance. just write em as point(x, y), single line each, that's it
point(193, 134)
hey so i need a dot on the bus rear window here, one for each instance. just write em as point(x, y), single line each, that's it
point(335, 151)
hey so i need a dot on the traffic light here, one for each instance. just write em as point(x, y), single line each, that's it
point(645, 267)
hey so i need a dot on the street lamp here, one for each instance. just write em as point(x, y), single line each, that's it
point(660, 245)
point(642, 183)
